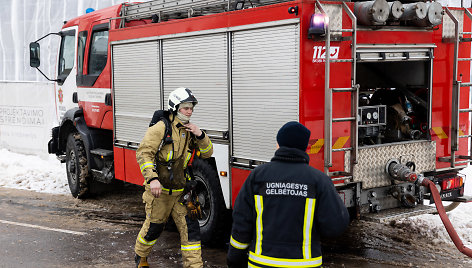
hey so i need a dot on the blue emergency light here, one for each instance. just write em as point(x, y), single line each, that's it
point(318, 23)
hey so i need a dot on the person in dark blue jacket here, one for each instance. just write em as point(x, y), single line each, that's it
point(284, 207)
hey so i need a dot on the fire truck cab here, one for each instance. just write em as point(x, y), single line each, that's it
point(378, 83)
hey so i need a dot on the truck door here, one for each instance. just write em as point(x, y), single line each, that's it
point(66, 72)
point(93, 77)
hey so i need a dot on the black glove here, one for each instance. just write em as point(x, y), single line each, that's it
point(151, 179)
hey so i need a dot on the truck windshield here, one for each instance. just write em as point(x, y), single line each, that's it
point(66, 55)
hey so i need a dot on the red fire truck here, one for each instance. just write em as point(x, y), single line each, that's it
point(383, 87)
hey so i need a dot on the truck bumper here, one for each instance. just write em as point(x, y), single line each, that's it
point(53, 144)
point(464, 199)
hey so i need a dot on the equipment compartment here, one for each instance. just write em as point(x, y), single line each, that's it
point(394, 96)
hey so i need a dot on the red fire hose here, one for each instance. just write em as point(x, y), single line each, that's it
point(447, 223)
point(401, 172)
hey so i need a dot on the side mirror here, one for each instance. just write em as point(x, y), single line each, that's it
point(34, 54)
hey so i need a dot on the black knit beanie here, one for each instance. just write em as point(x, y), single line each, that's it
point(294, 135)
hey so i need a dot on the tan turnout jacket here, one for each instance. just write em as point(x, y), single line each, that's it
point(180, 155)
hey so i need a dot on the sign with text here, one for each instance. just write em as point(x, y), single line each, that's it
point(27, 115)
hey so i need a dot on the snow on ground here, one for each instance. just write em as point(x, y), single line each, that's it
point(49, 176)
point(30, 172)
point(461, 218)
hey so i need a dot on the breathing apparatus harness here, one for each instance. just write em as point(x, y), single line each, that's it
point(189, 199)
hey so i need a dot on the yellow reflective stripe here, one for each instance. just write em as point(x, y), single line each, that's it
point(259, 208)
point(189, 155)
point(315, 148)
point(307, 227)
point(280, 262)
point(143, 241)
point(146, 165)
point(207, 148)
point(340, 142)
point(169, 155)
point(440, 132)
point(191, 247)
point(173, 190)
point(238, 244)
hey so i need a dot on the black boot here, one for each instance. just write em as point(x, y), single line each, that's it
point(141, 262)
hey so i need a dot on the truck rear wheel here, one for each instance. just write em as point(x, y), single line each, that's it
point(215, 224)
point(76, 166)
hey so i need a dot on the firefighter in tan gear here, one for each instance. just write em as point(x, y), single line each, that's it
point(163, 163)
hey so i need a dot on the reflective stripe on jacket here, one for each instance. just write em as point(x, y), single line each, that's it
point(281, 211)
point(182, 140)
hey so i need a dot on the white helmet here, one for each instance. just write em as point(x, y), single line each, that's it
point(178, 96)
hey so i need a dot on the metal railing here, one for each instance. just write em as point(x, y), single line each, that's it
point(456, 88)
point(172, 9)
point(354, 90)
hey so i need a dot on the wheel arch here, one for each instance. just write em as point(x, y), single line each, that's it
point(67, 126)
point(212, 162)
point(74, 121)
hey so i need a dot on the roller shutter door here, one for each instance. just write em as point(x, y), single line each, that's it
point(136, 88)
point(265, 64)
point(200, 64)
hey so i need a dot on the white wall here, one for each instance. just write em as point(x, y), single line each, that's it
point(26, 116)
point(25, 21)
point(27, 109)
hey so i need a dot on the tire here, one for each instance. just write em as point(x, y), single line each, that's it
point(76, 166)
point(215, 224)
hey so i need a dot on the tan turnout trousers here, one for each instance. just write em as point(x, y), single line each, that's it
point(157, 214)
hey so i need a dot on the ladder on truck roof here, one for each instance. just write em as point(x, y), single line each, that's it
point(354, 90)
point(456, 89)
point(160, 10)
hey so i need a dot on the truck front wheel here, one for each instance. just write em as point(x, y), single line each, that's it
point(76, 165)
point(215, 222)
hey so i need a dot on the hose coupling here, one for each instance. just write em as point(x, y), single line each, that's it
point(400, 172)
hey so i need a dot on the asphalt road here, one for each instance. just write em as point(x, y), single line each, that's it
point(43, 230)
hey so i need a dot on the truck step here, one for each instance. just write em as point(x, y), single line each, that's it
point(101, 176)
point(61, 158)
point(389, 215)
point(464, 199)
point(102, 152)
